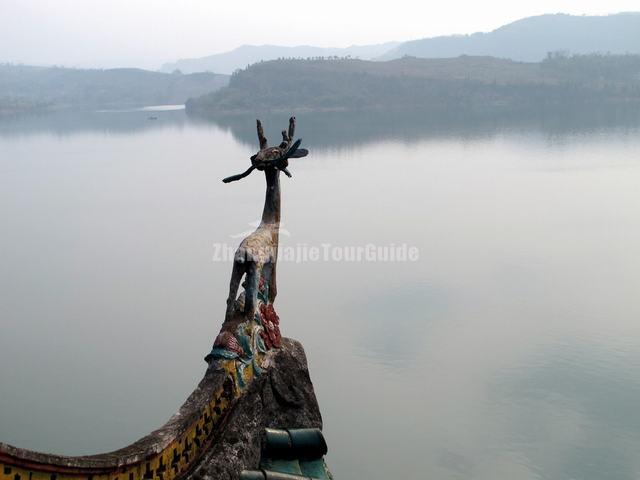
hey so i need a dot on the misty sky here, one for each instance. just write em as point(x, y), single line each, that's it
point(146, 33)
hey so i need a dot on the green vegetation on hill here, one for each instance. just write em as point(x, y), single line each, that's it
point(24, 88)
point(440, 84)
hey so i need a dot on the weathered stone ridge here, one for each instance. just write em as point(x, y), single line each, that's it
point(283, 397)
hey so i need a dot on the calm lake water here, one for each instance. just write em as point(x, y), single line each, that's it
point(509, 350)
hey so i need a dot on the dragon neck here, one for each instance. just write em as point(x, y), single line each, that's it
point(271, 211)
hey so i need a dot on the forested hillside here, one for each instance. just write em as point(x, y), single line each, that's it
point(33, 88)
point(463, 82)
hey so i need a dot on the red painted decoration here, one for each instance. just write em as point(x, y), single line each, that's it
point(227, 341)
point(271, 324)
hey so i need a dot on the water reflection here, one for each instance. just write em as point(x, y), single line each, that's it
point(510, 349)
point(111, 122)
point(395, 321)
point(337, 130)
point(332, 130)
point(572, 408)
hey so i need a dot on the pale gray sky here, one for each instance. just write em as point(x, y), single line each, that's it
point(146, 33)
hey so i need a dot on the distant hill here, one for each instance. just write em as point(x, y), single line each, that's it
point(34, 88)
point(436, 84)
point(530, 39)
point(245, 55)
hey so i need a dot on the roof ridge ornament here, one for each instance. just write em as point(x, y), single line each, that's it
point(251, 324)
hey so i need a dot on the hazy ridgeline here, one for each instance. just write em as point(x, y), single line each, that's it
point(526, 40)
point(463, 83)
point(541, 62)
point(27, 88)
point(529, 39)
point(228, 62)
point(482, 85)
